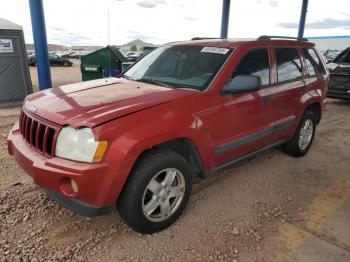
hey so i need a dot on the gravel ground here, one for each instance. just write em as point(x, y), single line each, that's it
point(230, 217)
point(60, 75)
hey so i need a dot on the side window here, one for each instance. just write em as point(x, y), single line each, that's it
point(288, 64)
point(312, 60)
point(256, 62)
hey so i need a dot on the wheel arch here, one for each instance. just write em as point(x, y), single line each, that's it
point(315, 107)
point(185, 147)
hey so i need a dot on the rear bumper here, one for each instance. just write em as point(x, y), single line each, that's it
point(99, 185)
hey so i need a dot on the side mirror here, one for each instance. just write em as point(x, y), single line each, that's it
point(242, 83)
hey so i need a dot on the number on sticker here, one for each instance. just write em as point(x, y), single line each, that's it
point(215, 50)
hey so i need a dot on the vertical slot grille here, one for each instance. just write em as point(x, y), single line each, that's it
point(38, 134)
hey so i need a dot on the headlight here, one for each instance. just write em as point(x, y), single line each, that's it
point(79, 145)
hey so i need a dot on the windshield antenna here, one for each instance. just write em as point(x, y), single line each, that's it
point(109, 45)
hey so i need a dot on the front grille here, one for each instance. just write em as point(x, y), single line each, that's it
point(40, 135)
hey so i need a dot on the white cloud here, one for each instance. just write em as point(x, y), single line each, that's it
point(147, 3)
point(82, 22)
point(150, 3)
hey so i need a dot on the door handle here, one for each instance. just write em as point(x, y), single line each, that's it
point(268, 99)
point(303, 88)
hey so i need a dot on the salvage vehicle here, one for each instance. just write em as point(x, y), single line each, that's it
point(186, 110)
point(339, 84)
point(54, 60)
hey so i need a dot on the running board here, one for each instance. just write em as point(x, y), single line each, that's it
point(240, 158)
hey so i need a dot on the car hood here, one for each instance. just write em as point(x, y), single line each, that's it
point(94, 102)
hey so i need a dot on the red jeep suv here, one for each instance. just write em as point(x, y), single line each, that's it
point(186, 109)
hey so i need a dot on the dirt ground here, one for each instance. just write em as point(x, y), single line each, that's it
point(59, 75)
point(269, 208)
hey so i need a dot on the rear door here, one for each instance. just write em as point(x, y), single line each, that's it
point(289, 88)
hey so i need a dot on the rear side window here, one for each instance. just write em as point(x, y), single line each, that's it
point(255, 62)
point(313, 62)
point(288, 64)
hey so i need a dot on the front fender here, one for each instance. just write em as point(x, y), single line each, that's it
point(131, 135)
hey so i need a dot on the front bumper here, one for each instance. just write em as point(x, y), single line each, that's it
point(77, 206)
point(99, 184)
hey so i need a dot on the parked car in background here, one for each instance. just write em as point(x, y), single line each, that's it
point(67, 54)
point(133, 56)
point(148, 49)
point(77, 54)
point(30, 52)
point(329, 55)
point(187, 110)
point(54, 60)
point(30, 57)
point(339, 68)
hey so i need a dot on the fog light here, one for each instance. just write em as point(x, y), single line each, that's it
point(74, 186)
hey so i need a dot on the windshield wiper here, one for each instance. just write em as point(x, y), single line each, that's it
point(151, 81)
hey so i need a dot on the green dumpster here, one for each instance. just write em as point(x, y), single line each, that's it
point(105, 62)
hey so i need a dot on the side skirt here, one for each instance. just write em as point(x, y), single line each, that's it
point(240, 158)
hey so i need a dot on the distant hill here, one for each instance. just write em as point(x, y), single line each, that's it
point(83, 48)
point(137, 42)
point(51, 47)
point(126, 47)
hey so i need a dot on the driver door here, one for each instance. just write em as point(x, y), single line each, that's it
point(242, 122)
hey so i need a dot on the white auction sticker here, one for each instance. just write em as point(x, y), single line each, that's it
point(6, 46)
point(215, 50)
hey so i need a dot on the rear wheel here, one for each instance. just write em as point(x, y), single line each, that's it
point(303, 137)
point(156, 192)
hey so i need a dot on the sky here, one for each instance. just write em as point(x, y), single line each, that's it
point(85, 22)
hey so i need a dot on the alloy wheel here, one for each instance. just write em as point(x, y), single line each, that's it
point(305, 134)
point(163, 195)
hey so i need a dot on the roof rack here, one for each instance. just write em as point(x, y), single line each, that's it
point(268, 37)
point(203, 38)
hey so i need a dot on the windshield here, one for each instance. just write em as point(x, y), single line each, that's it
point(343, 57)
point(186, 66)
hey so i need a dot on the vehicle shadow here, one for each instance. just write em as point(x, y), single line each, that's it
point(339, 102)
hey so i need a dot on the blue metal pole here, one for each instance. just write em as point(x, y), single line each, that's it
point(302, 19)
point(40, 43)
point(225, 18)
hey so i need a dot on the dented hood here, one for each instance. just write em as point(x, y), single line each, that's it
point(94, 102)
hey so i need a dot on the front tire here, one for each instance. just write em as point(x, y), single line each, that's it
point(303, 137)
point(157, 191)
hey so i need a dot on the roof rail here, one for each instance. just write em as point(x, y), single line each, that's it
point(268, 37)
point(203, 38)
